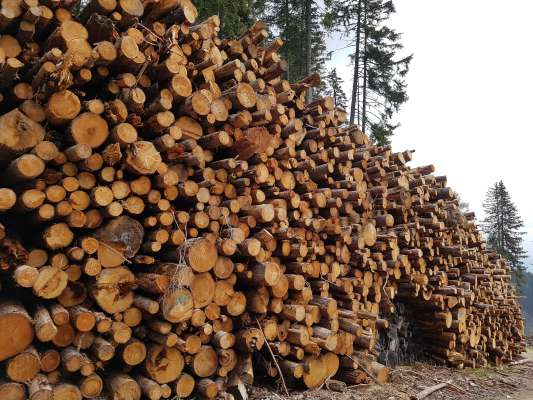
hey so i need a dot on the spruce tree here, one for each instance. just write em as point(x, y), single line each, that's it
point(502, 226)
point(334, 88)
point(235, 15)
point(298, 23)
point(379, 87)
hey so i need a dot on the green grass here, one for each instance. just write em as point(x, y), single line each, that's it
point(483, 373)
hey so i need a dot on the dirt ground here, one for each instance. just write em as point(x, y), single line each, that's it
point(510, 382)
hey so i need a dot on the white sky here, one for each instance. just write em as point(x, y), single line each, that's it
point(470, 87)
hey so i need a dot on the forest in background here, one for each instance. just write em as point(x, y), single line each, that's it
point(378, 64)
point(527, 302)
point(379, 67)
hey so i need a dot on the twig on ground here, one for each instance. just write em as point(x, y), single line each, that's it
point(435, 379)
point(273, 357)
point(520, 362)
point(426, 392)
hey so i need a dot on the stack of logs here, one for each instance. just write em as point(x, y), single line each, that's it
point(176, 216)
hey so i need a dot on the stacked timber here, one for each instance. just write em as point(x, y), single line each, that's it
point(175, 215)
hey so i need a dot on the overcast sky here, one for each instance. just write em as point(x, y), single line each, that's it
point(470, 87)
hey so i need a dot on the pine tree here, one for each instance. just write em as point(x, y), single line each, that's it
point(334, 89)
point(379, 87)
point(502, 226)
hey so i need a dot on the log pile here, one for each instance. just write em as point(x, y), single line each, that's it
point(175, 216)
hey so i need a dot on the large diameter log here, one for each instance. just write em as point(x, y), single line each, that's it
point(163, 364)
point(18, 134)
point(151, 389)
point(207, 388)
point(201, 255)
point(184, 11)
point(22, 169)
point(58, 236)
point(112, 290)
point(23, 366)
point(66, 391)
point(202, 289)
point(205, 362)
point(184, 385)
point(134, 352)
point(264, 274)
point(253, 141)
point(123, 387)
point(90, 129)
point(242, 97)
point(51, 282)
point(124, 231)
point(13, 391)
point(177, 305)
point(25, 276)
point(62, 107)
point(91, 386)
point(315, 372)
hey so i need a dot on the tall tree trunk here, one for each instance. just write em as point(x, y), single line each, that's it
point(355, 85)
point(308, 5)
point(285, 36)
point(365, 71)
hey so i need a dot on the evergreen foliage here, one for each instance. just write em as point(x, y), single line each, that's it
point(289, 20)
point(502, 226)
point(379, 87)
point(235, 15)
point(334, 89)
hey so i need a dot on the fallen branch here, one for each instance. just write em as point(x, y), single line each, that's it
point(520, 362)
point(435, 379)
point(426, 392)
point(273, 358)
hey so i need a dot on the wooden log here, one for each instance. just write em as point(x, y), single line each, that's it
point(200, 147)
point(123, 386)
point(19, 134)
point(109, 292)
point(45, 328)
point(163, 364)
point(62, 107)
point(39, 388)
point(205, 362)
point(24, 366)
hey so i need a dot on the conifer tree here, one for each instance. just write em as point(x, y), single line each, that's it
point(235, 15)
point(502, 226)
point(334, 88)
point(299, 24)
point(379, 87)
